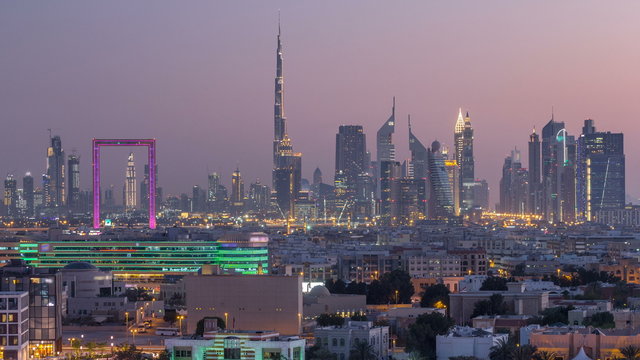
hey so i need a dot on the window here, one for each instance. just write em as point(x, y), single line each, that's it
point(342, 342)
point(232, 348)
point(334, 342)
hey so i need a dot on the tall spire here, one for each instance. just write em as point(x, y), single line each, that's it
point(459, 123)
point(279, 120)
point(393, 108)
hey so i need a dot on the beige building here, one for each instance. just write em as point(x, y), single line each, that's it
point(518, 301)
point(320, 301)
point(598, 344)
point(246, 302)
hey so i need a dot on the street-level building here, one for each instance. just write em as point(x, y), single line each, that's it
point(341, 339)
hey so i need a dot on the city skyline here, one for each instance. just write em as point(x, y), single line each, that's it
point(313, 130)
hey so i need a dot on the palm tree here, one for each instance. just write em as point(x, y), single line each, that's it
point(544, 355)
point(362, 350)
point(503, 350)
point(524, 352)
point(630, 352)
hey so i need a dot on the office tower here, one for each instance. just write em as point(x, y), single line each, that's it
point(237, 193)
point(463, 142)
point(535, 187)
point(600, 178)
point(73, 200)
point(481, 194)
point(56, 174)
point(317, 176)
point(260, 196)
point(288, 176)
point(558, 173)
point(513, 185)
point(389, 192)
point(28, 191)
point(351, 157)
point(144, 188)
point(453, 173)
point(213, 182)
point(385, 150)
point(109, 200)
point(130, 198)
point(418, 155)
point(197, 199)
point(412, 200)
point(440, 196)
point(11, 195)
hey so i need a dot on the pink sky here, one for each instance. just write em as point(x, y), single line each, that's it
point(198, 76)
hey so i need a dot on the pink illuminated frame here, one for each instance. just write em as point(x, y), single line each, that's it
point(151, 151)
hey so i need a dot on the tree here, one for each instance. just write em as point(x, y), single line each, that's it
point(127, 352)
point(422, 333)
point(329, 320)
point(317, 352)
point(494, 283)
point(376, 294)
point(603, 320)
point(137, 294)
point(398, 286)
point(362, 350)
point(524, 352)
point(200, 324)
point(556, 315)
point(164, 355)
point(520, 270)
point(630, 352)
point(503, 350)
point(434, 296)
point(544, 355)
point(356, 288)
point(335, 287)
point(359, 317)
point(495, 305)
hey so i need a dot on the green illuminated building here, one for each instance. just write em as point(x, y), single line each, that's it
point(239, 253)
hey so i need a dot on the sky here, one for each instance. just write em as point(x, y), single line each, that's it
point(198, 76)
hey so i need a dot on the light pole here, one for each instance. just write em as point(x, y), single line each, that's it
point(126, 316)
point(133, 331)
point(226, 320)
point(396, 296)
point(180, 317)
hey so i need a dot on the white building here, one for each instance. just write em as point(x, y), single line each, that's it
point(433, 265)
point(240, 345)
point(467, 341)
point(341, 339)
point(14, 326)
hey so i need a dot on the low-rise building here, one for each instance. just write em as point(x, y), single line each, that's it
point(566, 342)
point(14, 332)
point(246, 302)
point(238, 345)
point(512, 323)
point(320, 301)
point(467, 341)
point(341, 339)
point(518, 302)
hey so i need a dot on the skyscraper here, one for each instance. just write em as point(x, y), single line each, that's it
point(600, 177)
point(73, 201)
point(420, 168)
point(385, 150)
point(440, 196)
point(28, 190)
point(390, 173)
point(351, 150)
point(260, 196)
point(287, 165)
point(55, 196)
point(553, 161)
point(513, 185)
point(535, 187)
point(317, 176)
point(463, 142)
point(11, 195)
point(130, 198)
point(237, 193)
point(144, 188)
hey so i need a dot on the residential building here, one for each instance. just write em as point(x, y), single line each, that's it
point(341, 339)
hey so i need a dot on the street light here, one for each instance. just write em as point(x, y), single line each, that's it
point(396, 296)
point(180, 317)
point(226, 320)
point(126, 316)
point(133, 331)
